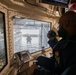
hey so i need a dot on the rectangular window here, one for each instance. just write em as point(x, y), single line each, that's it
point(30, 35)
point(3, 51)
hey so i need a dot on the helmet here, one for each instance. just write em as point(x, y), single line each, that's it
point(51, 34)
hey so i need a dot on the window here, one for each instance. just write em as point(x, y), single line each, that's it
point(3, 51)
point(30, 35)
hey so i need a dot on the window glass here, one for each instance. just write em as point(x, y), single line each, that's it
point(30, 35)
point(3, 57)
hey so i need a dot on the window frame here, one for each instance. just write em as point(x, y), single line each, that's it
point(31, 25)
point(5, 40)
